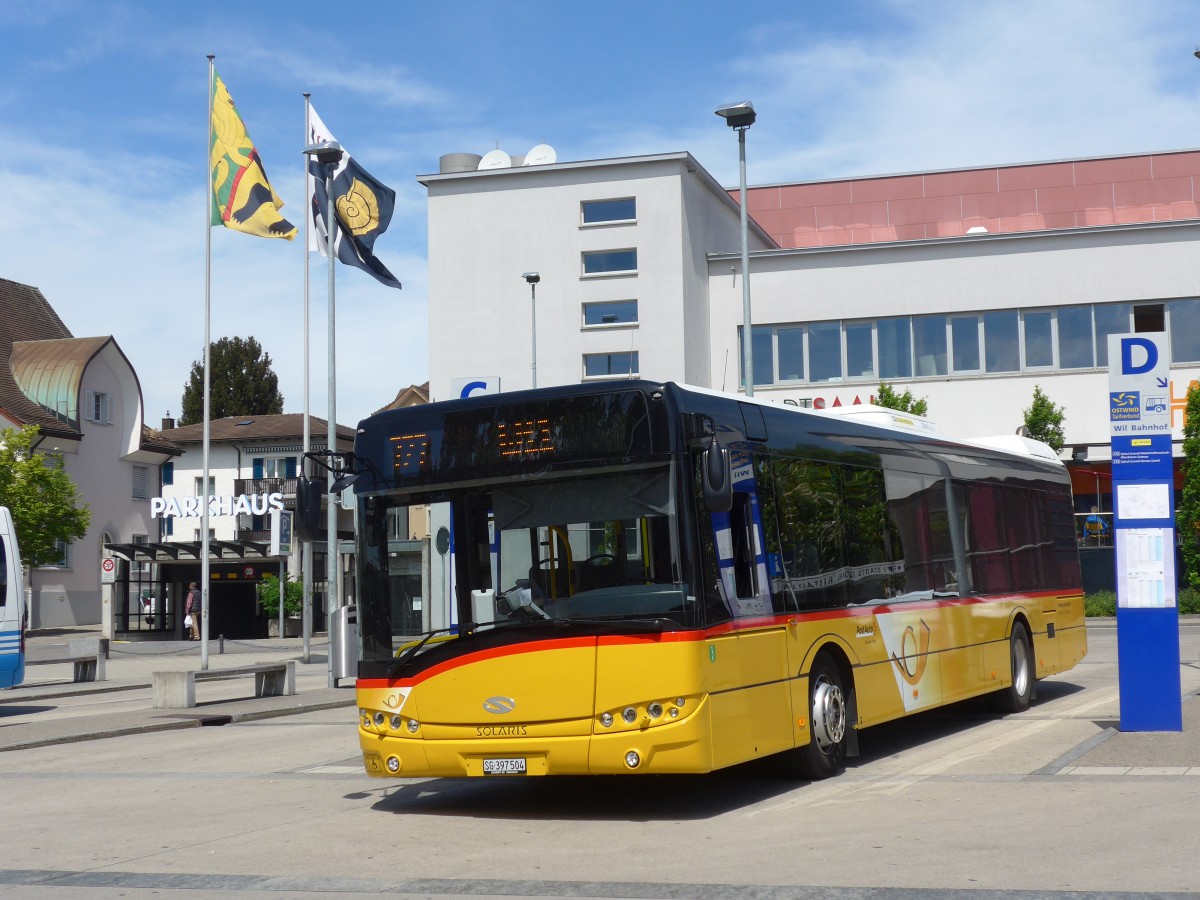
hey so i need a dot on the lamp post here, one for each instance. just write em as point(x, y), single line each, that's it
point(328, 155)
point(739, 117)
point(533, 278)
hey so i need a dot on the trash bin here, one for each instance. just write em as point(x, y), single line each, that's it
point(343, 641)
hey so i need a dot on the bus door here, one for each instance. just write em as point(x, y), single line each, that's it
point(738, 540)
point(12, 606)
point(749, 665)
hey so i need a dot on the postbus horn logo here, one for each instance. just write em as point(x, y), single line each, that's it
point(916, 654)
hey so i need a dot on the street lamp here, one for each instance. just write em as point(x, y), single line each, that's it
point(739, 117)
point(327, 155)
point(533, 278)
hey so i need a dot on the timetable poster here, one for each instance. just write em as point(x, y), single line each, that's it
point(1146, 568)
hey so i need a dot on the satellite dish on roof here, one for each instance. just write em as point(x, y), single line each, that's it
point(495, 159)
point(541, 155)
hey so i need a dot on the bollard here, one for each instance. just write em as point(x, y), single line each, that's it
point(221, 645)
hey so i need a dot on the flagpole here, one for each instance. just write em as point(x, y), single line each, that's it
point(331, 547)
point(204, 564)
point(306, 546)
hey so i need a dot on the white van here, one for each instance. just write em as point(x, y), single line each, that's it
point(12, 605)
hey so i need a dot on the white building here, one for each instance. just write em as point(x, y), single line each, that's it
point(85, 398)
point(967, 287)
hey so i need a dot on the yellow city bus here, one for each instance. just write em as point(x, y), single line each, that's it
point(648, 578)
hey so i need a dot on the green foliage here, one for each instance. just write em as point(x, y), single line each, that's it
point(1187, 515)
point(242, 383)
point(1101, 603)
point(41, 497)
point(268, 596)
point(1189, 602)
point(1104, 603)
point(905, 402)
point(1044, 420)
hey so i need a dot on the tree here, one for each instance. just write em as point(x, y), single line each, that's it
point(268, 596)
point(41, 497)
point(242, 383)
point(905, 402)
point(1044, 420)
point(1187, 517)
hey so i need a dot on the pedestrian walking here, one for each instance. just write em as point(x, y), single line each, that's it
point(191, 609)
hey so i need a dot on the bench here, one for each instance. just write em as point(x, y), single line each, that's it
point(88, 667)
point(177, 690)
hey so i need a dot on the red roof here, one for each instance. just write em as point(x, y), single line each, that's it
point(1156, 187)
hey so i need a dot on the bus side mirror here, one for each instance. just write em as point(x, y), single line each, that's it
point(308, 507)
point(715, 478)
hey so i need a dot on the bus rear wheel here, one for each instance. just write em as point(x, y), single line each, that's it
point(825, 753)
point(1015, 698)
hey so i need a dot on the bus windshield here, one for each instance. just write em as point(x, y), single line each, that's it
point(565, 549)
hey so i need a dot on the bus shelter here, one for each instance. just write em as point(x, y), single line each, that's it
point(151, 584)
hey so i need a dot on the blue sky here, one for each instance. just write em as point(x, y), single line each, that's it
point(106, 105)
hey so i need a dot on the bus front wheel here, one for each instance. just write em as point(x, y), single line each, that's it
point(1015, 698)
point(825, 752)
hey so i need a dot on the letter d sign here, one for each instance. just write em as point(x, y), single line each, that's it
point(1128, 367)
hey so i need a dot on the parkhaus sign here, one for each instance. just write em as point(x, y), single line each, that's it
point(189, 507)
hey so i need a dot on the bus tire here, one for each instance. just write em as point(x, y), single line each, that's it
point(825, 753)
point(1015, 698)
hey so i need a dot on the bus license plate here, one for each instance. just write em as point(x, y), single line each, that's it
point(509, 766)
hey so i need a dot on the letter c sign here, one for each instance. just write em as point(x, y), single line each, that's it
point(471, 387)
point(1128, 366)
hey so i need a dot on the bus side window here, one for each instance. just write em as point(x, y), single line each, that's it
point(3, 571)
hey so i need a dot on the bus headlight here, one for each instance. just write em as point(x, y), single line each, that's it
point(606, 719)
point(413, 725)
point(393, 764)
point(395, 723)
point(632, 759)
point(629, 714)
point(655, 709)
point(379, 717)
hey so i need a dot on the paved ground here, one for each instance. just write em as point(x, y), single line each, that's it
point(1051, 803)
point(49, 708)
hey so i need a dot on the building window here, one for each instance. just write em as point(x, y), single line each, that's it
point(140, 565)
point(608, 262)
point(167, 472)
point(63, 561)
point(895, 348)
point(860, 350)
point(598, 211)
point(1075, 343)
point(790, 342)
point(964, 339)
point(825, 351)
point(610, 312)
point(1185, 330)
point(1000, 341)
point(212, 486)
point(1149, 317)
point(141, 478)
point(929, 345)
point(98, 408)
point(609, 365)
point(1111, 318)
point(1039, 340)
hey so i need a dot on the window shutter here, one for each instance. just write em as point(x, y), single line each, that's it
point(139, 482)
point(168, 473)
point(89, 406)
point(258, 468)
point(290, 467)
point(105, 415)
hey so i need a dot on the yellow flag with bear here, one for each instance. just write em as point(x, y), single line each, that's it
point(242, 197)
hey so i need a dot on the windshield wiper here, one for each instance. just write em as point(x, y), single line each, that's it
point(616, 623)
point(416, 648)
